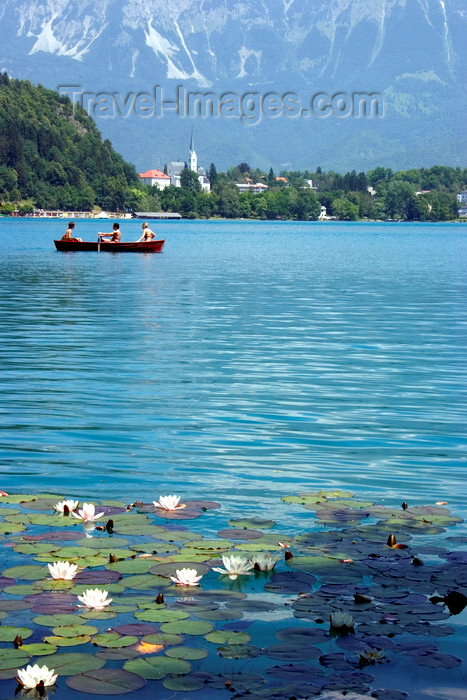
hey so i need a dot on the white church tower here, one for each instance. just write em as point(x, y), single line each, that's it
point(193, 158)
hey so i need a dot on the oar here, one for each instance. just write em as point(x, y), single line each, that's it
point(98, 243)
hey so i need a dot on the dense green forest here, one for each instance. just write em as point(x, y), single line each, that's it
point(52, 157)
point(426, 194)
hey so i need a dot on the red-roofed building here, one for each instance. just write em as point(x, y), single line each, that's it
point(155, 177)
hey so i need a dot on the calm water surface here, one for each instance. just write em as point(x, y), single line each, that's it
point(246, 362)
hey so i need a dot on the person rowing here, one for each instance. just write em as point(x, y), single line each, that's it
point(114, 235)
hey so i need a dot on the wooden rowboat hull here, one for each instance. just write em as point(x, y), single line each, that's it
point(143, 247)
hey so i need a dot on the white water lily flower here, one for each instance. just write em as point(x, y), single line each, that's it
point(340, 619)
point(186, 577)
point(372, 656)
point(169, 503)
point(235, 566)
point(95, 598)
point(87, 513)
point(71, 505)
point(264, 562)
point(63, 570)
point(30, 676)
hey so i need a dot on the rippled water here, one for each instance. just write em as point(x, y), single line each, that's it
point(247, 361)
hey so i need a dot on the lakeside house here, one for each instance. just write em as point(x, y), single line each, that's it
point(155, 177)
point(256, 188)
point(462, 197)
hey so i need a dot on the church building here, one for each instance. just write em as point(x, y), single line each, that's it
point(175, 168)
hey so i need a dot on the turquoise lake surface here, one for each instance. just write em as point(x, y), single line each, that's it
point(248, 361)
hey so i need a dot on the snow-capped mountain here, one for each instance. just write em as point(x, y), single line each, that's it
point(412, 52)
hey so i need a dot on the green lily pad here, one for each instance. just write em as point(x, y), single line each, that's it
point(35, 547)
point(8, 633)
point(68, 641)
point(74, 630)
point(187, 653)
point(57, 620)
point(161, 615)
point(106, 681)
point(70, 663)
point(169, 568)
point(227, 637)
point(155, 547)
point(238, 651)
point(114, 640)
point(252, 523)
point(190, 627)
point(13, 658)
point(185, 684)
point(8, 528)
point(146, 582)
point(131, 566)
point(218, 615)
point(39, 649)
point(163, 638)
point(26, 572)
point(157, 667)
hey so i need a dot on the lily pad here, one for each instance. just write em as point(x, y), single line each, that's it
point(238, 651)
point(138, 629)
point(8, 633)
point(26, 572)
point(157, 667)
point(227, 637)
point(161, 615)
point(74, 630)
point(113, 640)
point(106, 681)
point(67, 641)
point(187, 653)
point(170, 568)
point(13, 658)
point(39, 649)
point(240, 534)
point(70, 663)
point(185, 684)
point(190, 627)
point(252, 523)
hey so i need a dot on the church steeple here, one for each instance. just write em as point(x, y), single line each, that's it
point(193, 159)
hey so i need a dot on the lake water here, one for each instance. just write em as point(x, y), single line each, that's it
point(248, 361)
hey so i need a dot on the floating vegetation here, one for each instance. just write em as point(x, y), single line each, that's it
point(114, 602)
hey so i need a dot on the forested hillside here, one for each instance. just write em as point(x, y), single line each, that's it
point(54, 159)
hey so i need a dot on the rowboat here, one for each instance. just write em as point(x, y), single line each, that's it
point(130, 247)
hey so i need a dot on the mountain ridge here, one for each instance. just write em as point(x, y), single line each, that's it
point(410, 51)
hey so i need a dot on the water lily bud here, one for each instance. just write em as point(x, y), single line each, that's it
point(18, 641)
point(405, 505)
point(417, 562)
point(109, 526)
point(160, 598)
point(360, 598)
point(391, 540)
point(112, 559)
point(288, 555)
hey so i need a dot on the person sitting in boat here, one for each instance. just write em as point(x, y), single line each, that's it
point(68, 235)
point(147, 234)
point(114, 235)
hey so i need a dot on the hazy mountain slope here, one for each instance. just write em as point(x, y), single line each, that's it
point(411, 51)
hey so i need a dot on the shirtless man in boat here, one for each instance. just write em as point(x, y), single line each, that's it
point(147, 234)
point(68, 235)
point(115, 235)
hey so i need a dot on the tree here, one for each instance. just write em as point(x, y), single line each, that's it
point(307, 206)
point(212, 175)
point(244, 168)
point(189, 181)
point(344, 209)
